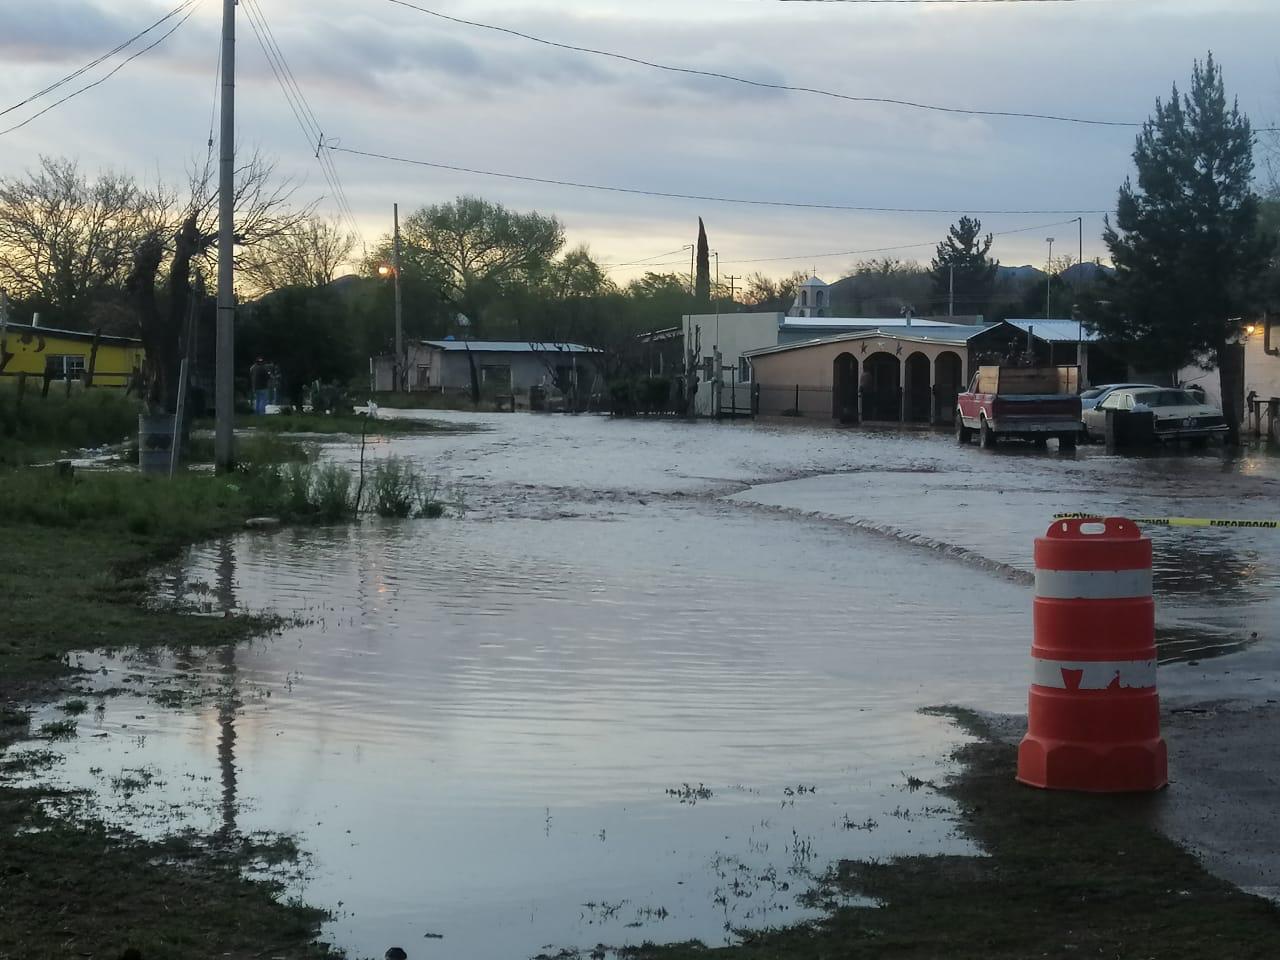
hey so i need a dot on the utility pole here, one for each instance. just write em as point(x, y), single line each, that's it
point(732, 287)
point(1048, 277)
point(224, 396)
point(400, 372)
point(951, 290)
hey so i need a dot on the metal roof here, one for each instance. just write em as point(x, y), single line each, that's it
point(1056, 331)
point(947, 333)
point(847, 323)
point(21, 329)
point(507, 346)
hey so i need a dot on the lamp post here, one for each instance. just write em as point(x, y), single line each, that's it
point(1048, 277)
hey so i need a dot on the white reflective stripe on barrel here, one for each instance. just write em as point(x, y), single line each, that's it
point(1093, 674)
point(1093, 584)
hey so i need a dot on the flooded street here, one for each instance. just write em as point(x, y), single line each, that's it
point(652, 678)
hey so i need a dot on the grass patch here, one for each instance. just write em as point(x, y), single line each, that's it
point(58, 730)
point(396, 489)
point(1067, 876)
point(337, 423)
point(36, 429)
point(74, 708)
point(433, 400)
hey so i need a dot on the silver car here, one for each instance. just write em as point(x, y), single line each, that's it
point(1178, 414)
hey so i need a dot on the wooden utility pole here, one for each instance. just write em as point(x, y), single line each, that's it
point(224, 398)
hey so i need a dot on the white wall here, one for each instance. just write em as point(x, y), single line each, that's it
point(738, 333)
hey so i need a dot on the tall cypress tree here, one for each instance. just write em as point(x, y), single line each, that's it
point(1186, 245)
point(964, 254)
point(702, 287)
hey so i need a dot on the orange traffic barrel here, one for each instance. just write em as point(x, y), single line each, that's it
point(1093, 715)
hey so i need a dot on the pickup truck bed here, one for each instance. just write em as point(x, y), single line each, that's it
point(1014, 402)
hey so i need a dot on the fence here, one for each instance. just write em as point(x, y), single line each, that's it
point(796, 400)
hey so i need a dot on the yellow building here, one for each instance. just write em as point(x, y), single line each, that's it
point(67, 354)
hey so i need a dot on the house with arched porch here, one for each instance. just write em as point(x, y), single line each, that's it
point(896, 374)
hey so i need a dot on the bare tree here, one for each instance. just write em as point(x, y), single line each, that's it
point(66, 242)
point(310, 255)
point(262, 214)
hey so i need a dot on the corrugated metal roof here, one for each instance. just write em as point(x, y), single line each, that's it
point(1056, 331)
point(18, 329)
point(508, 346)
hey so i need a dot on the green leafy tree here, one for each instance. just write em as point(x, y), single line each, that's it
point(305, 332)
point(964, 253)
point(1186, 244)
point(482, 250)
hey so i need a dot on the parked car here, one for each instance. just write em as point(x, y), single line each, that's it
point(1028, 403)
point(1095, 395)
point(1179, 414)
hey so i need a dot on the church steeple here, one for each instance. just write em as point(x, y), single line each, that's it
point(813, 299)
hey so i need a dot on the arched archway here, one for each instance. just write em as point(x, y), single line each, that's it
point(948, 375)
point(917, 392)
point(881, 387)
point(844, 388)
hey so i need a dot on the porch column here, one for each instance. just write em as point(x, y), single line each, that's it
point(903, 396)
point(933, 391)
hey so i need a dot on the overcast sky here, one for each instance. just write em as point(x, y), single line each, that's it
point(387, 79)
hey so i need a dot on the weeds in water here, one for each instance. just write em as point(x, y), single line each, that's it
point(690, 795)
point(58, 730)
point(847, 824)
point(397, 490)
point(28, 761)
point(74, 707)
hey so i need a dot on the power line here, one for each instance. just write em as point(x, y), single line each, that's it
point(189, 5)
point(702, 197)
point(93, 63)
point(816, 91)
point(903, 246)
point(298, 105)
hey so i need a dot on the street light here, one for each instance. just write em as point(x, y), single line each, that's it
point(1048, 278)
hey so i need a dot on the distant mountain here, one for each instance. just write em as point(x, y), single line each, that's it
point(1087, 272)
point(1014, 275)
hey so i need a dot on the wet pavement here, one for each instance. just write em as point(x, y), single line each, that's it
point(653, 678)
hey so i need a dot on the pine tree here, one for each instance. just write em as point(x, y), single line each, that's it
point(962, 258)
point(1186, 245)
point(702, 288)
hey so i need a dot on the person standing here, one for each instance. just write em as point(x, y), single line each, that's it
point(260, 384)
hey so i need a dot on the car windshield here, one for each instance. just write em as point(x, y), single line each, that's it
point(1093, 394)
point(1165, 398)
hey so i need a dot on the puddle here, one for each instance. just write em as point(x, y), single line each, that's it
point(618, 700)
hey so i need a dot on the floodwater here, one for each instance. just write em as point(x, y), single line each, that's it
point(649, 681)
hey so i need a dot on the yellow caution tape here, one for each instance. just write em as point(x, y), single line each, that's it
point(1179, 521)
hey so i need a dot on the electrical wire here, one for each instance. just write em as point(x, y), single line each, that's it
point(93, 63)
point(816, 91)
point(702, 197)
point(189, 5)
point(903, 246)
point(306, 118)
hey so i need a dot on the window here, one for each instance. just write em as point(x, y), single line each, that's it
point(424, 376)
point(817, 300)
point(1117, 401)
point(821, 312)
point(496, 376)
point(65, 367)
point(708, 368)
point(804, 298)
point(744, 370)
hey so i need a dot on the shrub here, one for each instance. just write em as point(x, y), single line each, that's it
point(396, 489)
point(332, 495)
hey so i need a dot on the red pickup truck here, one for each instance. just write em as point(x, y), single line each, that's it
point(1029, 403)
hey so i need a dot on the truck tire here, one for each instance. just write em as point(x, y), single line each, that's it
point(1067, 441)
point(963, 434)
point(986, 436)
